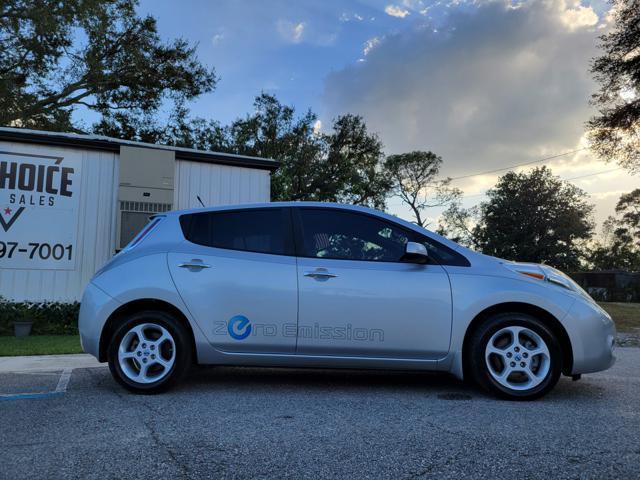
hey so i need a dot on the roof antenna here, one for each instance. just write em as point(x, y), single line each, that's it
point(200, 200)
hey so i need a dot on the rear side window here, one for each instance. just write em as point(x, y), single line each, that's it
point(264, 230)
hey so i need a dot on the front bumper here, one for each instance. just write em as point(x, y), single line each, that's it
point(592, 334)
point(95, 308)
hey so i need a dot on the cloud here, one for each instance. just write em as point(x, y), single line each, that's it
point(291, 31)
point(370, 45)
point(574, 15)
point(217, 39)
point(346, 17)
point(494, 86)
point(396, 11)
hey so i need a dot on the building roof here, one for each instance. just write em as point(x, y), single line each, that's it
point(110, 144)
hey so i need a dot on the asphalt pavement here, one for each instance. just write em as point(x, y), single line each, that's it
point(285, 423)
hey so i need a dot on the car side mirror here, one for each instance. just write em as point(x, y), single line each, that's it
point(416, 252)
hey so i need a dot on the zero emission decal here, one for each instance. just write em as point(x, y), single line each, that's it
point(39, 204)
point(239, 328)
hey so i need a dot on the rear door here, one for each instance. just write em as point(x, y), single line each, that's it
point(236, 273)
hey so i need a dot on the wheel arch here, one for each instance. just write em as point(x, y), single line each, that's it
point(136, 306)
point(520, 307)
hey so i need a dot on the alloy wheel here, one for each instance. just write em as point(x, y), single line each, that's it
point(146, 353)
point(517, 358)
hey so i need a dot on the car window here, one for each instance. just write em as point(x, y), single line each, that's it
point(259, 230)
point(441, 253)
point(335, 234)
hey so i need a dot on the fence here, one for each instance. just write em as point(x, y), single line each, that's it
point(610, 286)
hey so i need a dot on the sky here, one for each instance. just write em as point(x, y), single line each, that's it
point(485, 84)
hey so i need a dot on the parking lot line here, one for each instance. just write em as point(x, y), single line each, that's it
point(61, 388)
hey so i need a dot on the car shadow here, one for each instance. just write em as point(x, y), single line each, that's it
point(323, 379)
point(441, 385)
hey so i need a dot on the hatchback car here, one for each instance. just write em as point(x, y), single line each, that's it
point(328, 285)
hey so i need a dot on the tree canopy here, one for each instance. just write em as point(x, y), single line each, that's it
point(99, 55)
point(619, 248)
point(615, 132)
point(535, 217)
point(343, 164)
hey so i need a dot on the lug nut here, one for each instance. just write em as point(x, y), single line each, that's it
point(517, 349)
point(153, 356)
point(513, 364)
point(152, 347)
point(525, 354)
point(144, 345)
point(522, 364)
point(509, 354)
point(144, 360)
point(139, 353)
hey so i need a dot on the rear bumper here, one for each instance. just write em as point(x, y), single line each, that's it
point(95, 308)
point(592, 334)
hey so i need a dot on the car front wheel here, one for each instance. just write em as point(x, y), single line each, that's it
point(149, 352)
point(515, 356)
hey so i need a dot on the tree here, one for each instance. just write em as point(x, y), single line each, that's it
point(414, 178)
point(615, 132)
point(274, 131)
point(98, 55)
point(352, 172)
point(628, 226)
point(620, 248)
point(458, 224)
point(535, 217)
point(343, 165)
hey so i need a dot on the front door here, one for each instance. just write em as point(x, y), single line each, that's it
point(237, 275)
point(358, 297)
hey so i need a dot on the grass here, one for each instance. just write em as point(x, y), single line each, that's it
point(40, 345)
point(625, 315)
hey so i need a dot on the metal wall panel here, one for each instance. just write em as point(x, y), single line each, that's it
point(218, 185)
point(96, 226)
point(97, 215)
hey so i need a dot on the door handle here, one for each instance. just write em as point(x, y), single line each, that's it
point(320, 273)
point(195, 263)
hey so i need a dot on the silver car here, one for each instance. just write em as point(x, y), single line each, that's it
point(328, 285)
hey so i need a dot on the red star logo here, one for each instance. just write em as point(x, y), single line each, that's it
point(7, 211)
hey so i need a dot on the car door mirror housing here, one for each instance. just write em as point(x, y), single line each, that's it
point(416, 252)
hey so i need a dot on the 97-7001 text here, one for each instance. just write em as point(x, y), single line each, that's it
point(36, 250)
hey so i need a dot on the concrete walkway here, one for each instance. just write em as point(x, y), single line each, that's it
point(47, 363)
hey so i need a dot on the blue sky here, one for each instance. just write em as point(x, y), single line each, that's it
point(283, 47)
point(484, 83)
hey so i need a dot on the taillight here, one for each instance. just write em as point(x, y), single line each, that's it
point(144, 233)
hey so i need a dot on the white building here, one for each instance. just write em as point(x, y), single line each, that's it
point(69, 202)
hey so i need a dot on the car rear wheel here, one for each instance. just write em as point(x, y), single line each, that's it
point(149, 352)
point(515, 356)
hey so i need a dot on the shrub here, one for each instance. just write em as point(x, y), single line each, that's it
point(49, 318)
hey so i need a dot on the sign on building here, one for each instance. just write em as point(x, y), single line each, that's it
point(39, 204)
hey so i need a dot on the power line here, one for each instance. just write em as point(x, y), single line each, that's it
point(564, 179)
point(519, 165)
point(592, 174)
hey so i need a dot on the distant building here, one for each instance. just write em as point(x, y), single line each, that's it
point(68, 202)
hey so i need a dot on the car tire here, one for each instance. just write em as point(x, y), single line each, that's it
point(149, 352)
point(515, 356)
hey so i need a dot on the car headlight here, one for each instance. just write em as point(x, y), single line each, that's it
point(549, 274)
